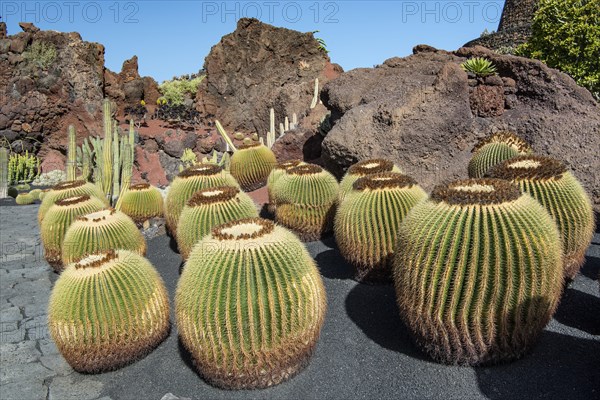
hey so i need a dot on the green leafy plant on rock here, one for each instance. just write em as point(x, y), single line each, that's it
point(479, 66)
point(41, 54)
point(250, 305)
point(493, 150)
point(174, 91)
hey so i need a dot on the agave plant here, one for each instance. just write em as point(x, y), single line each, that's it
point(480, 66)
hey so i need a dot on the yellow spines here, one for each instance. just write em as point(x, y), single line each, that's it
point(69, 189)
point(362, 169)
point(493, 150)
point(251, 165)
point(277, 172)
point(142, 202)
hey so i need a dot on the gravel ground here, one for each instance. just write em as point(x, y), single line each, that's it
point(364, 350)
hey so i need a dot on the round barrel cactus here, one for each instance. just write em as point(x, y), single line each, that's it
point(250, 305)
point(477, 271)
point(99, 231)
point(24, 199)
point(108, 310)
point(364, 168)
point(493, 150)
point(306, 201)
point(251, 165)
point(279, 171)
point(69, 189)
point(142, 202)
point(35, 193)
point(368, 218)
point(58, 219)
point(549, 182)
point(42, 194)
point(188, 182)
point(208, 208)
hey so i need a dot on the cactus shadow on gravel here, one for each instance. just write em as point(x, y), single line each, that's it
point(591, 268)
point(331, 263)
point(579, 310)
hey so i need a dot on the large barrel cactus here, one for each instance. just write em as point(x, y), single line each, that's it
point(362, 169)
point(279, 171)
point(99, 231)
point(188, 182)
point(549, 182)
point(478, 272)
point(251, 165)
point(306, 201)
point(367, 221)
point(208, 208)
point(493, 150)
point(250, 305)
point(142, 202)
point(58, 219)
point(108, 310)
point(69, 189)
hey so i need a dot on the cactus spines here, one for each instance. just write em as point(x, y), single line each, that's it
point(72, 155)
point(367, 221)
point(58, 219)
point(548, 181)
point(3, 173)
point(493, 150)
point(208, 208)
point(188, 182)
point(306, 201)
point(250, 305)
point(364, 168)
point(68, 189)
point(251, 165)
point(142, 202)
point(477, 271)
point(101, 231)
point(276, 173)
point(35, 193)
point(108, 310)
point(24, 199)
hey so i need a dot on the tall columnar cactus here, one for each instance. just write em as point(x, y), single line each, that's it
point(208, 208)
point(315, 98)
point(251, 165)
point(364, 168)
point(99, 231)
point(108, 310)
point(188, 182)
point(250, 305)
point(367, 221)
point(306, 201)
point(72, 154)
point(58, 219)
point(549, 182)
point(105, 167)
point(3, 173)
point(493, 150)
point(142, 202)
point(68, 189)
point(277, 172)
point(478, 272)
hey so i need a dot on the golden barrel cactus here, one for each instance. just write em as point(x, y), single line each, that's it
point(279, 171)
point(69, 189)
point(142, 202)
point(24, 199)
point(251, 165)
point(493, 150)
point(362, 169)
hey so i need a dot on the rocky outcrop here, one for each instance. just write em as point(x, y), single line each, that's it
point(425, 113)
point(258, 67)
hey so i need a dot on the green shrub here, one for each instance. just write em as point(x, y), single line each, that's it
point(566, 36)
point(479, 66)
point(174, 91)
point(41, 54)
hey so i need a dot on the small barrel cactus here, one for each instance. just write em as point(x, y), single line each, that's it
point(188, 182)
point(306, 201)
point(35, 193)
point(367, 221)
point(58, 219)
point(364, 168)
point(250, 305)
point(478, 271)
point(239, 136)
point(142, 202)
point(42, 194)
point(99, 231)
point(549, 182)
point(208, 208)
point(108, 310)
point(279, 171)
point(24, 199)
point(493, 150)
point(251, 165)
point(23, 187)
point(69, 189)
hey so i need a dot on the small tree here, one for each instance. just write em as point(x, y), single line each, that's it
point(566, 36)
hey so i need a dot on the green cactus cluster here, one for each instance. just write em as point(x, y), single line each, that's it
point(250, 305)
point(142, 202)
point(68, 189)
point(99, 231)
point(108, 310)
point(188, 182)
point(251, 165)
point(22, 168)
point(208, 208)
point(550, 183)
point(24, 199)
point(493, 150)
point(364, 168)
point(368, 218)
point(306, 201)
point(478, 272)
point(279, 171)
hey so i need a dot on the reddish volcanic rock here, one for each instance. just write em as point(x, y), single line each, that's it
point(149, 167)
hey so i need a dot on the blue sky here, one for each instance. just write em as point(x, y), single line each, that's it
point(173, 37)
